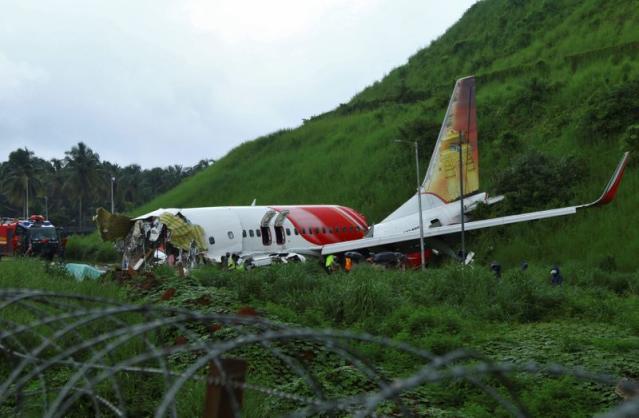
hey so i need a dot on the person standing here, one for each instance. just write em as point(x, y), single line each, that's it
point(556, 279)
point(231, 262)
point(495, 267)
point(348, 264)
point(328, 263)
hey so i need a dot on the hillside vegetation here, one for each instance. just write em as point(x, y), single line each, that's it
point(557, 84)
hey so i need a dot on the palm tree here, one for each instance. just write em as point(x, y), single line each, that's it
point(129, 185)
point(59, 202)
point(20, 178)
point(84, 174)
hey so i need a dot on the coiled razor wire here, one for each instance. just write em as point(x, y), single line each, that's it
point(67, 355)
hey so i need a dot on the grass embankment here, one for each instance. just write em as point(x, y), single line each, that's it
point(591, 321)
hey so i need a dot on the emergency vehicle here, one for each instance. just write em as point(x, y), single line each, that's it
point(35, 236)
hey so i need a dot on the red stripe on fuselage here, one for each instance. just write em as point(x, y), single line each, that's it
point(330, 221)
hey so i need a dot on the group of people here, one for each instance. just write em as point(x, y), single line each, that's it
point(346, 261)
point(333, 263)
point(232, 262)
point(556, 279)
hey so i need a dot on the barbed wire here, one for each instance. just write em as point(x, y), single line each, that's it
point(64, 355)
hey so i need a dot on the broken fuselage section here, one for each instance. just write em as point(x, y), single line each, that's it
point(199, 235)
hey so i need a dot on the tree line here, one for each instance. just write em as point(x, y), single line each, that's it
point(68, 190)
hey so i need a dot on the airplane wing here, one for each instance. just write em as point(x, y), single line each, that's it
point(606, 197)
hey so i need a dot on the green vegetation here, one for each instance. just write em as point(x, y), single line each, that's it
point(72, 188)
point(555, 79)
point(591, 321)
point(35, 274)
point(91, 248)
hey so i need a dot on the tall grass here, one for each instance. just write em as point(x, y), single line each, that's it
point(90, 248)
point(36, 274)
point(591, 321)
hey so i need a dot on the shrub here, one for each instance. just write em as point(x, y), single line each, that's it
point(90, 248)
point(535, 181)
point(630, 142)
point(609, 112)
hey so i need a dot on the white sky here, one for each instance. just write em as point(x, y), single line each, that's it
point(161, 82)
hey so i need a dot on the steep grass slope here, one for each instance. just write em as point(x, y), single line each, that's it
point(557, 76)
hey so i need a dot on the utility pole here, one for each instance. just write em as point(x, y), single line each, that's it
point(26, 205)
point(461, 197)
point(421, 215)
point(461, 171)
point(112, 201)
point(419, 202)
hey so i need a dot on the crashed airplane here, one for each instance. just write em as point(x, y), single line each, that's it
point(291, 232)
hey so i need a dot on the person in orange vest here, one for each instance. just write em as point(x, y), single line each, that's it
point(348, 264)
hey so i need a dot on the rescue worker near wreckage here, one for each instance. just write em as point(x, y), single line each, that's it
point(556, 279)
point(348, 263)
point(329, 263)
point(232, 262)
point(495, 267)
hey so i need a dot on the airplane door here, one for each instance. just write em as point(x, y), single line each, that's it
point(280, 237)
point(267, 238)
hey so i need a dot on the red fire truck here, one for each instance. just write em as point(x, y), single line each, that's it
point(35, 236)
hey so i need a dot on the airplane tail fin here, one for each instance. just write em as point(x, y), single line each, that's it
point(459, 129)
point(441, 184)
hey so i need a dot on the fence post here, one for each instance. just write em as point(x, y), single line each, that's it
point(217, 401)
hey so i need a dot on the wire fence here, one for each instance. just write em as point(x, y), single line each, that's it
point(67, 355)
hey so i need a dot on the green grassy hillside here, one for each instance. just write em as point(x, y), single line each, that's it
point(558, 77)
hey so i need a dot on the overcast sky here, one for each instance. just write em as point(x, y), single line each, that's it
point(160, 82)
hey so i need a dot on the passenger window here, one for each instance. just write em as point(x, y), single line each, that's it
point(330, 230)
point(357, 228)
point(310, 231)
point(303, 230)
point(244, 233)
point(211, 240)
point(288, 232)
point(258, 233)
point(323, 230)
point(352, 229)
point(316, 230)
point(296, 231)
point(344, 229)
point(231, 235)
point(251, 233)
